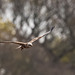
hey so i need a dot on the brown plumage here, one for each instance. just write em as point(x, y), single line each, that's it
point(30, 43)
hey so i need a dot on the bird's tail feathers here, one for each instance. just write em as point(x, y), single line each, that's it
point(18, 47)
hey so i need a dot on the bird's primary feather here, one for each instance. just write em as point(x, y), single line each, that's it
point(33, 40)
point(20, 43)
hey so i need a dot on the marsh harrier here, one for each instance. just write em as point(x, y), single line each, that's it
point(29, 44)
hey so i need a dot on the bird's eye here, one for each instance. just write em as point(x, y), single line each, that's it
point(30, 45)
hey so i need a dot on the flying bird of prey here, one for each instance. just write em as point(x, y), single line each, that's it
point(29, 44)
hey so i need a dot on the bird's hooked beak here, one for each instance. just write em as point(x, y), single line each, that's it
point(30, 44)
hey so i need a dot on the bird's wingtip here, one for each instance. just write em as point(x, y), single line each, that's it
point(52, 28)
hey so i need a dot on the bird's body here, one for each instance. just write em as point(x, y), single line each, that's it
point(28, 44)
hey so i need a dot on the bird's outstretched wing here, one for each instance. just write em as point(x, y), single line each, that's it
point(35, 39)
point(19, 43)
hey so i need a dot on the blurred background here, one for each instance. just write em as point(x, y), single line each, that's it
point(22, 20)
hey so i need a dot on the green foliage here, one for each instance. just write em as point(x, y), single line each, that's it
point(7, 30)
point(65, 59)
point(69, 58)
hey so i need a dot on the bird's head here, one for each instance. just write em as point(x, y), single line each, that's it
point(29, 44)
